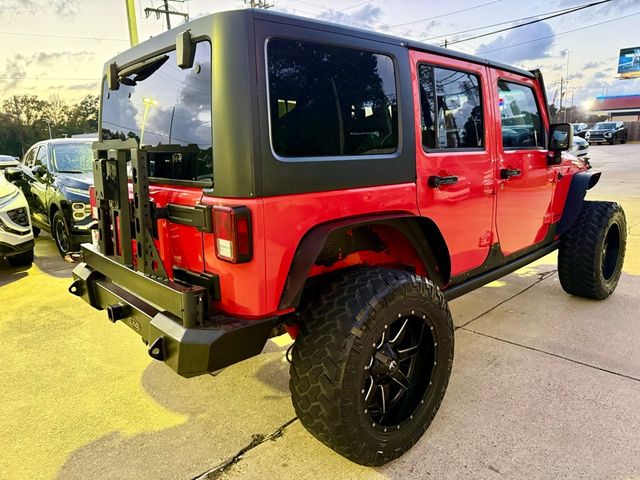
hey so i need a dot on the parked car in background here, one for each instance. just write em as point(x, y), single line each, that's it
point(580, 129)
point(16, 237)
point(580, 147)
point(55, 176)
point(8, 161)
point(609, 132)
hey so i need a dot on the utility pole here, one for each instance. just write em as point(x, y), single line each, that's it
point(167, 11)
point(132, 22)
point(258, 4)
point(565, 110)
point(561, 96)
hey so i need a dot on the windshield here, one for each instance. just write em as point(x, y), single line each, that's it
point(72, 157)
point(605, 126)
point(161, 105)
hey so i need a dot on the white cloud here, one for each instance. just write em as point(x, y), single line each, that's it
point(507, 48)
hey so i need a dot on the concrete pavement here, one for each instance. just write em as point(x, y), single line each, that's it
point(544, 385)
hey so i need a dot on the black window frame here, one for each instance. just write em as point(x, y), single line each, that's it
point(334, 158)
point(544, 146)
point(478, 76)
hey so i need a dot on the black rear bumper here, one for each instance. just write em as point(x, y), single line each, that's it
point(169, 317)
point(7, 250)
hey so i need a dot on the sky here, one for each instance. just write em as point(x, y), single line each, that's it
point(60, 46)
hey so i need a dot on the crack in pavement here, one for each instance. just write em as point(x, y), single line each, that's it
point(556, 355)
point(256, 439)
point(541, 277)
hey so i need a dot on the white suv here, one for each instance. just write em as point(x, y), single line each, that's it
point(16, 236)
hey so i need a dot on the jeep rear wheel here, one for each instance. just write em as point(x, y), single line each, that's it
point(592, 251)
point(372, 362)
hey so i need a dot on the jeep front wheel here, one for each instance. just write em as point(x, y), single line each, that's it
point(372, 362)
point(592, 251)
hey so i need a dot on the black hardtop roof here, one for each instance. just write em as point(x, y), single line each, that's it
point(168, 38)
point(382, 37)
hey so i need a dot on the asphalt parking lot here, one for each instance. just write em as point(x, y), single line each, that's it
point(544, 385)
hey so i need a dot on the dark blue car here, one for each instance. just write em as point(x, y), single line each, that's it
point(55, 177)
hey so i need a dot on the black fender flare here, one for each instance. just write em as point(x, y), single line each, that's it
point(312, 243)
point(580, 183)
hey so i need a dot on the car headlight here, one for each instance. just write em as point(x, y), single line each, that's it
point(78, 191)
point(587, 135)
point(607, 134)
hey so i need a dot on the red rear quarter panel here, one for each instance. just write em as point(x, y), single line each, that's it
point(279, 223)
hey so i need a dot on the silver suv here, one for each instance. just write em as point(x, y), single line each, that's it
point(16, 235)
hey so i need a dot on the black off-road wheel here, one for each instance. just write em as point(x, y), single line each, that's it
point(23, 259)
point(592, 251)
point(60, 233)
point(371, 363)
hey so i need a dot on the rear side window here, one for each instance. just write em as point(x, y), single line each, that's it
point(28, 158)
point(520, 117)
point(327, 101)
point(451, 109)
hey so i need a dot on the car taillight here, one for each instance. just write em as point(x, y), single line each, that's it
point(232, 230)
point(93, 202)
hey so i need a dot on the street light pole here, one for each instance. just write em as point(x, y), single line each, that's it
point(49, 125)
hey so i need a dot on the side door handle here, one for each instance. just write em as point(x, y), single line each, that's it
point(507, 173)
point(435, 181)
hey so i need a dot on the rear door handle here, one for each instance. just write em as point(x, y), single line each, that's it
point(507, 173)
point(435, 181)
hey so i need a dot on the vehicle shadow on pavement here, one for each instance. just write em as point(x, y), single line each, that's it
point(222, 413)
point(9, 274)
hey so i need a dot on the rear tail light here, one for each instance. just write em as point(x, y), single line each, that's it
point(93, 202)
point(232, 230)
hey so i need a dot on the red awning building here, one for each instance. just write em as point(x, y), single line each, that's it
point(624, 108)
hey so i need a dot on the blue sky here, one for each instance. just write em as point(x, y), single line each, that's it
point(38, 60)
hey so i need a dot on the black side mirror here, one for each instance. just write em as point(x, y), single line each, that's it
point(560, 140)
point(13, 174)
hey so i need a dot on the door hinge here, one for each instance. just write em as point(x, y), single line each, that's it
point(485, 239)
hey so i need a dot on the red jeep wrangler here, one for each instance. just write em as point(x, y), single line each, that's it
point(259, 173)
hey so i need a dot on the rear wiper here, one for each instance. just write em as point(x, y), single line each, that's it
point(142, 70)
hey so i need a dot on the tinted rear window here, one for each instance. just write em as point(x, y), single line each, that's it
point(330, 101)
point(166, 105)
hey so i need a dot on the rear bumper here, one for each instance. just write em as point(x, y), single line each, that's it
point(8, 249)
point(168, 316)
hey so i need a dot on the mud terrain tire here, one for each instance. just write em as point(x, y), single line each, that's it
point(592, 251)
point(356, 334)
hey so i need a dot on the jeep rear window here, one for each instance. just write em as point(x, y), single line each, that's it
point(328, 101)
point(166, 106)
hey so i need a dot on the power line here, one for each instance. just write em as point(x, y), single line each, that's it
point(581, 7)
point(356, 5)
point(558, 34)
point(493, 25)
point(45, 35)
point(446, 14)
